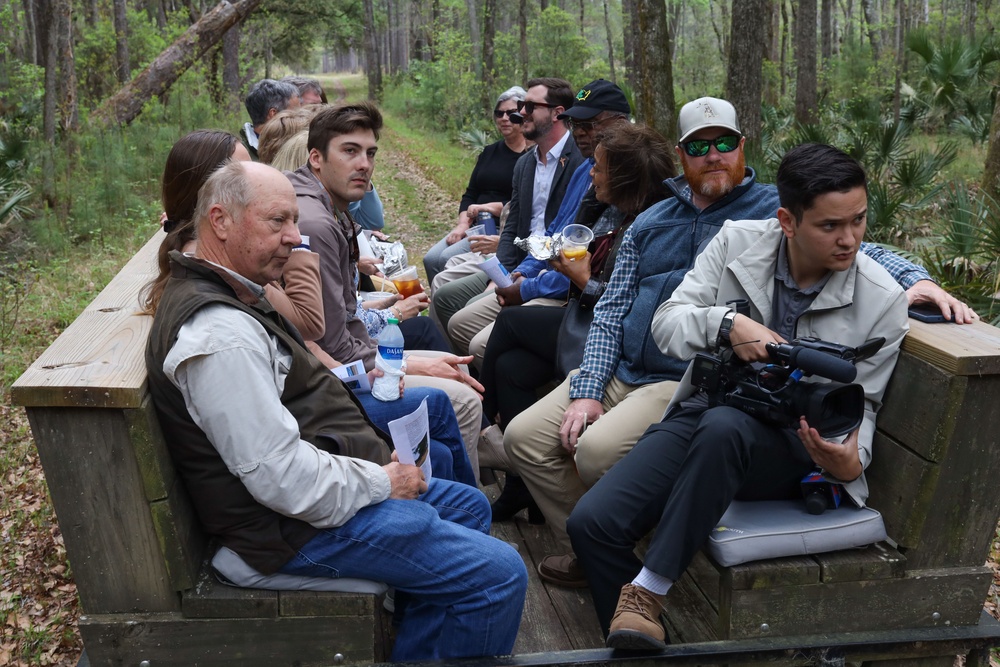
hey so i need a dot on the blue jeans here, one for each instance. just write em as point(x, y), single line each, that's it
point(459, 592)
point(449, 460)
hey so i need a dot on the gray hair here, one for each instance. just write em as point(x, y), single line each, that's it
point(513, 93)
point(304, 85)
point(265, 95)
point(228, 187)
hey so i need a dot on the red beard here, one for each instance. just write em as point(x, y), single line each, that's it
point(712, 185)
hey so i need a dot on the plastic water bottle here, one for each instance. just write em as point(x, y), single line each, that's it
point(390, 360)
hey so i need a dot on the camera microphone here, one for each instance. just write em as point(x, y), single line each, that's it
point(822, 364)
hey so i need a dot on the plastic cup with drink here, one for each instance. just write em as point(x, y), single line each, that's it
point(575, 240)
point(475, 230)
point(407, 282)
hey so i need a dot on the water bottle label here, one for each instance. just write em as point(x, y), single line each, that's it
point(391, 353)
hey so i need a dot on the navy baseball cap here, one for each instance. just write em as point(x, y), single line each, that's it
point(595, 97)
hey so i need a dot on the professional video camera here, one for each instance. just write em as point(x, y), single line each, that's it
point(773, 393)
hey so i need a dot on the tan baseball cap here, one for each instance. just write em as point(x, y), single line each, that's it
point(706, 112)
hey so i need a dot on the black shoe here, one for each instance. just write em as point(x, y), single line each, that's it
point(514, 498)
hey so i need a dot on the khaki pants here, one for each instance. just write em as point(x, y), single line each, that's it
point(558, 479)
point(467, 405)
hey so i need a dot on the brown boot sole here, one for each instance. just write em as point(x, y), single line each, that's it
point(633, 640)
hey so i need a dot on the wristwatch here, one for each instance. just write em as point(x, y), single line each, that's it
point(726, 327)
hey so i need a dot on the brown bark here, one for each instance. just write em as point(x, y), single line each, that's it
point(489, 68)
point(868, 7)
point(33, 42)
point(991, 171)
point(745, 80)
point(629, 10)
point(611, 43)
point(373, 59)
point(124, 69)
point(67, 67)
point(826, 30)
point(48, 26)
point(127, 103)
point(806, 111)
point(522, 26)
point(476, 35)
point(231, 64)
point(654, 92)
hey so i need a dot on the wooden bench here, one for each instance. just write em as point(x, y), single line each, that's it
point(138, 552)
point(135, 545)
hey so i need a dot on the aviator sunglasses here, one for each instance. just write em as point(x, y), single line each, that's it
point(528, 108)
point(500, 113)
point(700, 147)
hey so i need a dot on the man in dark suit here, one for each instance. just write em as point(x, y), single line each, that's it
point(540, 179)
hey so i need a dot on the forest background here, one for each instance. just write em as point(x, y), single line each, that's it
point(94, 92)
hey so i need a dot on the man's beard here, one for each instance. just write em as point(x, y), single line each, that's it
point(540, 130)
point(712, 187)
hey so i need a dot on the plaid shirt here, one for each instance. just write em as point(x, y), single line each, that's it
point(604, 342)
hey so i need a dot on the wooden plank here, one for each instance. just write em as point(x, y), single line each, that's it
point(573, 607)
point(970, 349)
point(155, 465)
point(181, 538)
point(96, 490)
point(955, 594)
point(97, 362)
point(902, 486)
point(921, 406)
point(167, 640)
point(877, 561)
point(210, 599)
point(773, 573)
point(690, 615)
point(314, 603)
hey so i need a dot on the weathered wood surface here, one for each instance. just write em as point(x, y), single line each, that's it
point(103, 513)
point(172, 639)
point(969, 349)
point(99, 360)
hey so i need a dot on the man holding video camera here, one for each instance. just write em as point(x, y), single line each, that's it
point(801, 276)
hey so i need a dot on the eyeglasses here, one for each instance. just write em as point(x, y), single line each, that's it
point(529, 107)
point(587, 125)
point(700, 147)
point(500, 113)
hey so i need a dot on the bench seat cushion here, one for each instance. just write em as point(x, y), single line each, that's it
point(775, 528)
point(235, 571)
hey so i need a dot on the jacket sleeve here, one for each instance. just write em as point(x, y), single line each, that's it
point(368, 211)
point(301, 300)
point(688, 322)
point(506, 250)
point(549, 285)
point(471, 191)
point(902, 270)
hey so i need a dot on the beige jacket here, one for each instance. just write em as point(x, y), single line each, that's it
point(855, 305)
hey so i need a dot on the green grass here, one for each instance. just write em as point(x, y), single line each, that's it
point(443, 160)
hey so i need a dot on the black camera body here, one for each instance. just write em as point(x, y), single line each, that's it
point(773, 392)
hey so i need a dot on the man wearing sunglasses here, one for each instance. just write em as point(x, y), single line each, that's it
point(598, 105)
point(541, 178)
point(625, 381)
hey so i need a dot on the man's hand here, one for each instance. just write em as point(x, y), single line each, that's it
point(369, 266)
point(581, 411)
point(483, 243)
point(494, 207)
point(511, 296)
point(578, 271)
point(749, 339)
point(380, 235)
point(407, 481)
point(839, 459)
point(443, 367)
point(377, 373)
point(411, 306)
point(927, 291)
point(458, 231)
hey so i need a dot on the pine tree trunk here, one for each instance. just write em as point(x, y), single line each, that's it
point(231, 65)
point(991, 171)
point(489, 68)
point(124, 69)
point(475, 35)
point(654, 94)
point(629, 10)
point(48, 24)
point(868, 7)
point(127, 103)
point(806, 111)
point(373, 59)
point(67, 68)
point(826, 30)
point(611, 43)
point(745, 81)
point(522, 24)
point(31, 33)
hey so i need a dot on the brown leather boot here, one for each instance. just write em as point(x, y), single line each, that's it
point(636, 624)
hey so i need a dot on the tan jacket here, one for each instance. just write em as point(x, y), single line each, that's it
point(855, 305)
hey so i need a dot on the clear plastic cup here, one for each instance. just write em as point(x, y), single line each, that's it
point(576, 239)
point(476, 230)
point(407, 282)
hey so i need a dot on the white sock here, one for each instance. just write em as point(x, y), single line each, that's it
point(654, 583)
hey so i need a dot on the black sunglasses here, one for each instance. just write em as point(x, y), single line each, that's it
point(529, 107)
point(700, 147)
point(500, 113)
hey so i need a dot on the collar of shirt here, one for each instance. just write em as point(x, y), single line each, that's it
point(252, 138)
point(554, 153)
point(251, 285)
point(782, 272)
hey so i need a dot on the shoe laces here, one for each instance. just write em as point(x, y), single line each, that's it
point(637, 601)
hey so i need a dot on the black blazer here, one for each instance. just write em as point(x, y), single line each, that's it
point(519, 219)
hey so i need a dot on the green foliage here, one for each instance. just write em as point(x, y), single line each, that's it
point(475, 140)
point(557, 48)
